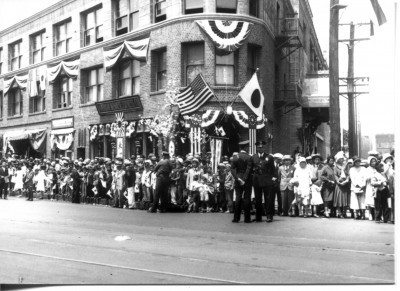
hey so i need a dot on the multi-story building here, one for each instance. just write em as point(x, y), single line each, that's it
point(55, 85)
point(384, 143)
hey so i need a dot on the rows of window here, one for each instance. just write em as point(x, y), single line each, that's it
point(125, 17)
point(126, 78)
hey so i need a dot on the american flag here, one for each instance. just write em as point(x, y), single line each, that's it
point(194, 95)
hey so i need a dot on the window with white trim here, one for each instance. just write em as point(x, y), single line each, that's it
point(15, 55)
point(63, 36)
point(226, 6)
point(193, 61)
point(15, 105)
point(37, 103)
point(37, 48)
point(159, 69)
point(93, 27)
point(129, 78)
point(194, 6)
point(63, 92)
point(225, 67)
point(94, 85)
point(160, 10)
point(126, 16)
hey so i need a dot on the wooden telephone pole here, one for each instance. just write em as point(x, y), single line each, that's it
point(334, 108)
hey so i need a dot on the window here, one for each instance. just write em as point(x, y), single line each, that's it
point(126, 16)
point(63, 37)
point(37, 103)
point(225, 69)
point(160, 10)
point(226, 6)
point(93, 30)
point(94, 85)
point(254, 8)
point(193, 61)
point(159, 68)
point(37, 48)
point(253, 53)
point(129, 78)
point(1, 104)
point(63, 93)
point(14, 102)
point(194, 6)
point(1, 60)
point(15, 56)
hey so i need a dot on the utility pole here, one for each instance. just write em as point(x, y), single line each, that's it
point(350, 88)
point(334, 107)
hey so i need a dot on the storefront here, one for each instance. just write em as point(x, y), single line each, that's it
point(62, 137)
point(27, 143)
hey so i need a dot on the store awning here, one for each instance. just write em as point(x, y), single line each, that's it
point(22, 134)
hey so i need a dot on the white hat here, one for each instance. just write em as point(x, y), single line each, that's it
point(339, 155)
point(386, 156)
point(278, 156)
point(287, 157)
point(302, 159)
point(370, 158)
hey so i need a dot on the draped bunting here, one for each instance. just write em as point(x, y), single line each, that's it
point(70, 68)
point(136, 49)
point(209, 117)
point(37, 139)
point(130, 128)
point(244, 121)
point(19, 135)
point(228, 35)
point(62, 138)
point(21, 80)
point(101, 129)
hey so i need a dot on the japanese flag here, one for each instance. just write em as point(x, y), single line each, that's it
point(252, 95)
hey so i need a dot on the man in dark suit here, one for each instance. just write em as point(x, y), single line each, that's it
point(163, 170)
point(3, 175)
point(258, 161)
point(241, 171)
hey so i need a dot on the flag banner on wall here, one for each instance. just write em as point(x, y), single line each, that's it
point(21, 80)
point(194, 96)
point(136, 49)
point(33, 88)
point(378, 12)
point(70, 68)
point(216, 152)
point(252, 95)
point(227, 35)
point(209, 117)
point(244, 120)
point(195, 140)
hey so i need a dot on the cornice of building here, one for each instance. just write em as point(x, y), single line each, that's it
point(142, 32)
point(36, 16)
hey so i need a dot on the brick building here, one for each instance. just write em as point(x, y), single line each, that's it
point(69, 40)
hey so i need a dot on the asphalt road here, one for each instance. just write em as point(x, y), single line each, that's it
point(62, 243)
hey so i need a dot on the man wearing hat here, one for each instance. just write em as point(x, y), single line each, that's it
point(130, 176)
point(3, 177)
point(258, 161)
point(241, 170)
point(285, 174)
point(163, 170)
point(120, 185)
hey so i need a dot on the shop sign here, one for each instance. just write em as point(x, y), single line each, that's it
point(126, 104)
point(67, 122)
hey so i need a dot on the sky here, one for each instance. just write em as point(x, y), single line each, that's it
point(373, 58)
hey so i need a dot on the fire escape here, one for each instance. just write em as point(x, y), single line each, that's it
point(289, 44)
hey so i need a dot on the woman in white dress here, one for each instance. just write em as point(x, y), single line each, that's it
point(302, 180)
point(19, 180)
point(357, 188)
point(369, 189)
point(40, 181)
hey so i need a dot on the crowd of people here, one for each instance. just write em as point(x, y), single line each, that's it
point(261, 184)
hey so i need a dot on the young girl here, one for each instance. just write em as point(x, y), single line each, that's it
point(204, 195)
point(302, 176)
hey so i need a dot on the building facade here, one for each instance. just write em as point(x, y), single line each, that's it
point(58, 97)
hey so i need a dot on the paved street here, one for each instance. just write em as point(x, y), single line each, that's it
point(62, 243)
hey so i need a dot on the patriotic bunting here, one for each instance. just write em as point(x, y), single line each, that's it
point(228, 35)
point(209, 117)
point(21, 80)
point(70, 68)
point(249, 121)
point(137, 49)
